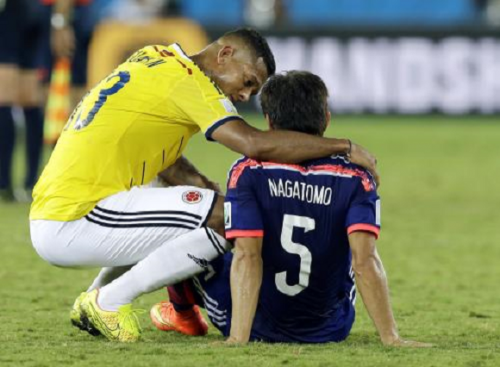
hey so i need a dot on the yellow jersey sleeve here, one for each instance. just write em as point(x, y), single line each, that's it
point(202, 103)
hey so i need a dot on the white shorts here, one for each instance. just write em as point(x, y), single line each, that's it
point(123, 228)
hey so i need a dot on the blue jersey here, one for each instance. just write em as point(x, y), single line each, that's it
point(304, 214)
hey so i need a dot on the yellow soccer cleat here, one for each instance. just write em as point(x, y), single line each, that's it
point(122, 325)
point(77, 317)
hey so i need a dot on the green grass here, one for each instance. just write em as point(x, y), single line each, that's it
point(440, 244)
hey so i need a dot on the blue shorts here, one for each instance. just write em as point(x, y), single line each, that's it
point(25, 38)
point(21, 33)
point(213, 292)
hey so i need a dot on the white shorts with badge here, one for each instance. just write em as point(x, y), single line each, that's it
point(123, 228)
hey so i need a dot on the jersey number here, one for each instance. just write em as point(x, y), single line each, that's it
point(123, 78)
point(289, 223)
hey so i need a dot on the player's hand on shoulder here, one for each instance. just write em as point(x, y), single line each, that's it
point(364, 158)
point(402, 343)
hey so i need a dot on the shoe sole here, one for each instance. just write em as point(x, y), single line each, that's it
point(84, 325)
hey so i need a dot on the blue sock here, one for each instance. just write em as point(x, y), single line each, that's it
point(34, 143)
point(7, 139)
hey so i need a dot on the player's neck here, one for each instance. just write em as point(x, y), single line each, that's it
point(202, 59)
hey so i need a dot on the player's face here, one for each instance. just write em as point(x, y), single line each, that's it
point(240, 76)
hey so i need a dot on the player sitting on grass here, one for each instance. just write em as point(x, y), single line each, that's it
point(294, 227)
point(90, 209)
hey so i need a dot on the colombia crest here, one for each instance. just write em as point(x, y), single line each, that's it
point(192, 196)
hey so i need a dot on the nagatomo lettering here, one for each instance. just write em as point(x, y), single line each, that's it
point(312, 194)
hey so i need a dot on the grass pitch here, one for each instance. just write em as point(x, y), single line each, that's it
point(440, 244)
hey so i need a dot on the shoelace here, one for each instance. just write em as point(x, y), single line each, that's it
point(128, 318)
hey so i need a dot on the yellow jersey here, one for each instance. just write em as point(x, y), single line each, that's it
point(131, 126)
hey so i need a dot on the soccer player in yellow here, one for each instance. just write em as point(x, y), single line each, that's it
point(94, 205)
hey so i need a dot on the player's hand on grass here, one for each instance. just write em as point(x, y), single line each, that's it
point(401, 343)
point(364, 158)
point(233, 341)
point(228, 342)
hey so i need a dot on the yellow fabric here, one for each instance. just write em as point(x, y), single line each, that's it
point(131, 126)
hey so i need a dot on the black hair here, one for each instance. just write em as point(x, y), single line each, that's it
point(258, 43)
point(296, 100)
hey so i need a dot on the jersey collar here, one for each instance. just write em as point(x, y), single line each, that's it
point(181, 52)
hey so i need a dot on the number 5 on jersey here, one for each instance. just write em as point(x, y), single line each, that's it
point(289, 223)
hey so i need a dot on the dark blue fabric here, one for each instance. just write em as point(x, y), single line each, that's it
point(21, 33)
point(304, 212)
point(7, 138)
point(34, 144)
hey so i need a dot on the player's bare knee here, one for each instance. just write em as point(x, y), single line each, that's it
point(9, 76)
point(216, 219)
point(30, 91)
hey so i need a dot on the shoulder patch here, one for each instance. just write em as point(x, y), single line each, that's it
point(227, 215)
point(192, 196)
point(228, 106)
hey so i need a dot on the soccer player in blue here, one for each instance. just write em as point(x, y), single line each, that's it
point(302, 235)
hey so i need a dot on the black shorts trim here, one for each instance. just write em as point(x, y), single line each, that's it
point(144, 219)
point(212, 206)
point(214, 241)
point(139, 225)
point(157, 212)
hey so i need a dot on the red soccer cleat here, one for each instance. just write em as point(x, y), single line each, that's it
point(189, 322)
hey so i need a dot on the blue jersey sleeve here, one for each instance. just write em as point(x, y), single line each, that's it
point(242, 216)
point(364, 211)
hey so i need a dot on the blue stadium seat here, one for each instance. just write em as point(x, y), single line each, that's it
point(340, 12)
point(214, 12)
point(397, 12)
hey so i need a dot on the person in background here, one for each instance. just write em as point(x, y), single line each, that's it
point(20, 42)
point(135, 11)
point(265, 14)
point(32, 33)
point(68, 35)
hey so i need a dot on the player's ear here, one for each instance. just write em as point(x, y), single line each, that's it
point(224, 54)
point(328, 118)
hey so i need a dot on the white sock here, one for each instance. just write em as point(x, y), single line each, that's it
point(107, 275)
point(171, 263)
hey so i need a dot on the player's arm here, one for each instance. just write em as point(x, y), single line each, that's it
point(371, 281)
point(219, 120)
point(246, 279)
point(288, 146)
point(183, 172)
point(244, 224)
point(62, 34)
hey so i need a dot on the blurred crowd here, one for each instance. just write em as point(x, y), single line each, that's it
point(323, 13)
point(34, 33)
